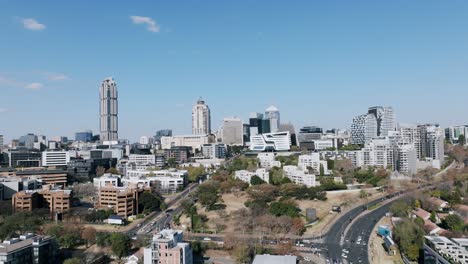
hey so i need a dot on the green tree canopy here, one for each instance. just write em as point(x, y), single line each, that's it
point(149, 202)
point(461, 140)
point(208, 194)
point(282, 208)
point(120, 244)
point(454, 223)
point(410, 238)
point(255, 180)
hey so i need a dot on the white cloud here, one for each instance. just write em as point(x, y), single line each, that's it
point(151, 24)
point(32, 24)
point(34, 86)
point(54, 76)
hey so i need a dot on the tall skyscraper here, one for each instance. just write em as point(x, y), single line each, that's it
point(272, 113)
point(201, 118)
point(109, 110)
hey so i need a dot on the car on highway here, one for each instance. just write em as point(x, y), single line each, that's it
point(207, 239)
point(344, 255)
point(345, 251)
point(307, 259)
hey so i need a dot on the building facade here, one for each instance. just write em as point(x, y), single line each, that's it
point(273, 115)
point(108, 110)
point(55, 158)
point(232, 132)
point(168, 247)
point(280, 141)
point(201, 118)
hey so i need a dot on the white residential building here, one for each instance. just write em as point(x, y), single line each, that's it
point(440, 249)
point(246, 176)
point(142, 159)
point(313, 161)
point(233, 132)
point(280, 141)
point(406, 162)
point(214, 151)
point(267, 160)
point(139, 181)
point(194, 141)
point(106, 180)
point(201, 118)
point(299, 176)
point(55, 158)
point(453, 133)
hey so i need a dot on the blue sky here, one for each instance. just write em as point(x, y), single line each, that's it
point(320, 62)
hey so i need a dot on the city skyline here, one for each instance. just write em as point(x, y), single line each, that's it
point(306, 60)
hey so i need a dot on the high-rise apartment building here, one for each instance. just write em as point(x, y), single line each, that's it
point(273, 115)
point(232, 132)
point(108, 110)
point(363, 129)
point(453, 133)
point(1, 141)
point(201, 118)
point(378, 122)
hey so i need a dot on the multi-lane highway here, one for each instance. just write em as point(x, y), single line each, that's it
point(161, 220)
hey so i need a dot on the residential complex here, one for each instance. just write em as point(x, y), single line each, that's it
point(246, 176)
point(168, 247)
point(443, 250)
point(378, 122)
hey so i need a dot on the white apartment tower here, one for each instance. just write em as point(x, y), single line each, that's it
point(108, 110)
point(272, 113)
point(201, 118)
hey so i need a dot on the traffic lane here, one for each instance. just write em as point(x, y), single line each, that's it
point(362, 229)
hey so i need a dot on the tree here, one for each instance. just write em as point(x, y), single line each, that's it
point(433, 217)
point(171, 163)
point(113, 170)
point(208, 194)
point(399, 209)
point(19, 223)
point(103, 239)
point(454, 223)
point(89, 235)
point(243, 253)
point(149, 202)
point(120, 244)
point(195, 172)
point(100, 170)
point(255, 180)
point(462, 140)
point(322, 170)
point(330, 164)
point(281, 208)
point(410, 238)
point(363, 194)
